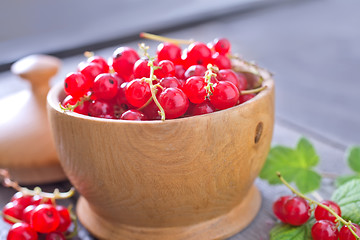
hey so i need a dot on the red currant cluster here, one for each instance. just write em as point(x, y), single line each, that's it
point(296, 211)
point(176, 83)
point(32, 216)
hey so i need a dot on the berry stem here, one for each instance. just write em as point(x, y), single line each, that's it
point(153, 88)
point(10, 218)
point(211, 72)
point(338, 218)
point(74, 220)
point(4, 174)
point(165, 39)
point(255, 90)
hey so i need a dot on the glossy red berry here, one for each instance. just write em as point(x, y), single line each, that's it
point(27, 213)
point(82, 108)
point(76, 85)
point(90, 71)
point(166, 69)
point(45, 218)
point(55, 236)
point(195, 70)
point(101, 108)
point(197, 53)
point(133, 114)
point(141, 68)
point(170, 82)
point(123, 61)
point(324, 230)
point(174, 102)
point(101, 61)
point(346, 234)
point(14, 210)
point(194, 88)
point(246, 97)
point(105, 86)
point(224, 95)
point(323, 214)
point(169, 51)
point(201, 108)
point(37, 199)
point(221, 45)
point(296, 211)
point(230, 76)
point(278, 208)
point(21, 199)
point(221, 61)
point(137, 92)
point(179, 71)
point(64, 217)
point(243, 80)
point(22, 231)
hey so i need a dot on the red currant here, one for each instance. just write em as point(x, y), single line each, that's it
point(133, 114)
point(324, 230)
point(296, 211)
point(123, 61)
point(82, 109)
point(221, 61)
point(64, 217)
point(179, 71)
point(170, 82)
point(45, 218)
point(221, 45)
point(278, 207)
point(323, 214)
point(174, 102)
point(55, 236)
point(246, 97)
point(195, 70)
point(224, 95)
point(197, 53)
point(37, 199)
point(13, 209)
point(27, 213)
point(76, 85)
point(105, 86)
point(22, 231)
point(194, 88)
point(141, 68)
point(201, 108)
point(230, 76)
point(166, 69)
point(101, 108)
point(21, 199)
point(169, 51)
point(137, 92)
point(346, 234)
point(101, 61)
point(243, 80)
point(90, 71)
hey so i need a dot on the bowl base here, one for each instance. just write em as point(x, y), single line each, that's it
point(220, 227)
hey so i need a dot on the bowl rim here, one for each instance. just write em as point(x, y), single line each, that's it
point(54, 104)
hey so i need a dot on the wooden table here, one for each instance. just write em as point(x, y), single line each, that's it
point(313, 49)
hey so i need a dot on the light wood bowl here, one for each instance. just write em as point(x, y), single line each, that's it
point(189, 178)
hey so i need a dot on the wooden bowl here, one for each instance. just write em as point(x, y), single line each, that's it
point(188, 178)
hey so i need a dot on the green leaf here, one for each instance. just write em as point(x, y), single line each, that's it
point(295, 165)
point(344, 179)
point(348, 198)
point(288, 232)
point(353, 158)
point(307, 153)
point(307, 180)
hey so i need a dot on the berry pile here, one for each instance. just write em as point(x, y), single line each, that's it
point(32, 216)
point(175, 83)
point(296, 211)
